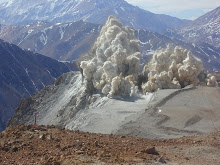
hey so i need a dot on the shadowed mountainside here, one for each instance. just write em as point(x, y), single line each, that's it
point(23, 73)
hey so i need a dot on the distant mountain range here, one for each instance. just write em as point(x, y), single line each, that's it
point(205, 29)
point(63, 42)
point(94, 11)
point(69, 41)
point(23, 73)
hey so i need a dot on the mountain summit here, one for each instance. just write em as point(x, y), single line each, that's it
point(94, 11)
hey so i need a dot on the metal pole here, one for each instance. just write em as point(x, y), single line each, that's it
point(35, 121)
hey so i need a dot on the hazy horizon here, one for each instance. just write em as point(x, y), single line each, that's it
point(186, 9)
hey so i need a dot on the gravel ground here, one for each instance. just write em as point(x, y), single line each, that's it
point(187, 112)
point(49, 145)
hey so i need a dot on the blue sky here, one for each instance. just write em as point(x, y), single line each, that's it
point(184, 9)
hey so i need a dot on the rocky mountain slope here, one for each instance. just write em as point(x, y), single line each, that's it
point(50, 145)
point(67, 104)
point(69, 41)
point(23, 73)
point(205, 29)
point(95, 11)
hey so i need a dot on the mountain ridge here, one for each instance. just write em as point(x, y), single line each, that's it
point(204, 29)
point(94, 11)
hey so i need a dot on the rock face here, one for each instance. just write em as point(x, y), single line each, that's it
point(95, 11)
point(204, 29)
point(54, 104)
point(22, 74)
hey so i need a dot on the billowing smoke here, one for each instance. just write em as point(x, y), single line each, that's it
point(114, 62)
point(114, 68)
point(173, 68)
point(211, 81)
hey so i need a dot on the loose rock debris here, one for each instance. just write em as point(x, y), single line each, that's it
point(51, 145)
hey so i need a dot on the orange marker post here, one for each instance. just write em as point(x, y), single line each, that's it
point(35, 121)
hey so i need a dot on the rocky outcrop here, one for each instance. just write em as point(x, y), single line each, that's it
point(55, 104)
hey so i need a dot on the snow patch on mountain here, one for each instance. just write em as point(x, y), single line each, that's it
point(94, 11)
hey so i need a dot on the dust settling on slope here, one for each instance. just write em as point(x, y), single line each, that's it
point(114, 65)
